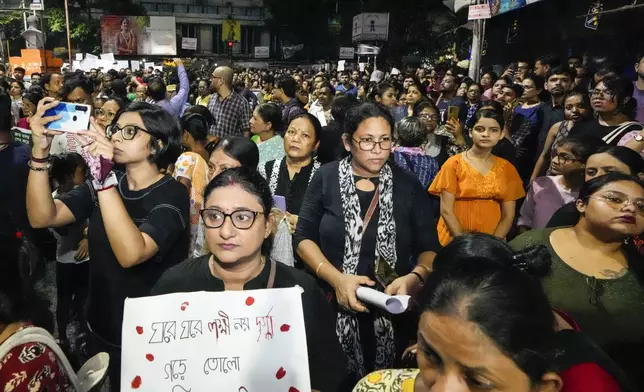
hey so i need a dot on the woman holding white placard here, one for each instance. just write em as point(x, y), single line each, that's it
point(237, 216)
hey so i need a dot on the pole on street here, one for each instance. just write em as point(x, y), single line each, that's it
point(69, 41)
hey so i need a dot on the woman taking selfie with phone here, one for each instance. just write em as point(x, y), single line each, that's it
point(137, 220)
point(365, 221)
point(238, 235)
point(478, 190)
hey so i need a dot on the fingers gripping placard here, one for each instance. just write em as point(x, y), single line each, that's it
point(237, 340)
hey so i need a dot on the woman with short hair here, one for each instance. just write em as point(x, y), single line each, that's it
point(138, 219)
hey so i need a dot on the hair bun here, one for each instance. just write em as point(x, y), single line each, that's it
point(535, 261)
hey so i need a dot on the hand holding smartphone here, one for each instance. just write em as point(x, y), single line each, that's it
point(452, 113)
point(74, 117)
point(280, 202)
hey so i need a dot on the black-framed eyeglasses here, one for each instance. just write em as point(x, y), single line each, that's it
point(563, 158)
point(602, 93)
point(128, 132)
point(241, 219)
point(368, 145)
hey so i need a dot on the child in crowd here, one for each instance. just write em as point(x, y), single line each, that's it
point(72, 270)
point(549, 193)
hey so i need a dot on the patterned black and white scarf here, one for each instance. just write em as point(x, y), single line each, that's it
point(275, 173)
point(347, 323)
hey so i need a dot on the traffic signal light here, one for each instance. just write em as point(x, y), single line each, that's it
point(230, 44)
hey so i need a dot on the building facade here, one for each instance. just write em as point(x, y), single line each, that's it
point(205, 19)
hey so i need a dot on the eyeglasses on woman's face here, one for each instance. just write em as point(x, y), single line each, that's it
point(618, 200)
point(128, 132)
point(242, 219)
point(368, 144)
point(563, 158)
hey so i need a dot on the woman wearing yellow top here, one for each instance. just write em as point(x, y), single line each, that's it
point(191, 169)
point(478, 190)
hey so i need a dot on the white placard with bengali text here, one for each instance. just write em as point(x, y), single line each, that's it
point(232, 341)
point(136, 65)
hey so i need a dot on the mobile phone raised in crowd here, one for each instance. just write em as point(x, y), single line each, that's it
point(452, 112)
point(75, 117)
point(280, 202)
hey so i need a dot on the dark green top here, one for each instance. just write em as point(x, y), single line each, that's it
point(609, 311)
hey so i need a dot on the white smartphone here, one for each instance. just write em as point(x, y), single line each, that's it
point(75, 117)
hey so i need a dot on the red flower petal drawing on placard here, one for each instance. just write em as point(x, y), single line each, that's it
point(250, 301)
point(149, 357)
point(184, 305)
point(139, 330)
point(136, 383)
point(285, 328)
point(280, 373)
point(293, 389)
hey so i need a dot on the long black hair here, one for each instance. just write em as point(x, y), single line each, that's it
point(481, 279)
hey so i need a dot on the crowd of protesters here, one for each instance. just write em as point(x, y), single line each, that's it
point(511, 208)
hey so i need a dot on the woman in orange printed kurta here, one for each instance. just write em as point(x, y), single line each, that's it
point(478, 190)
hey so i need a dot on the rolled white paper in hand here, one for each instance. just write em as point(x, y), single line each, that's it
point(394, 304)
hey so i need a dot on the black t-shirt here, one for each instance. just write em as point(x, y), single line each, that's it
point(162, 212)
point(13, 187)
point(606, 133)
point(326, 360)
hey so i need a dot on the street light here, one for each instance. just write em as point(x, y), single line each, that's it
point(69, 40)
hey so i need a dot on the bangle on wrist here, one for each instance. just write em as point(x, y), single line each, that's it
point(38, 168)
point(420, 278)
point(46, 159)
point(106, 188)
point(426, 268)
point(317, 270)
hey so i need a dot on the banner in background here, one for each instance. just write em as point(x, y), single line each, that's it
point(189, 43)
point(370, 27)
point(139, 35)
point(262, 52)
point(347, 52)
point(231, 30)
point(502, 6)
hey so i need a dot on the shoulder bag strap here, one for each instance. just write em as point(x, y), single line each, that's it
point(371, 210)
point(617, 132)
point(271, 275)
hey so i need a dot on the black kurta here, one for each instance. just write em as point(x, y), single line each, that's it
point(293, 190)
point(321, 220)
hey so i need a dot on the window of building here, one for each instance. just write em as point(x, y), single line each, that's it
point(162, 7)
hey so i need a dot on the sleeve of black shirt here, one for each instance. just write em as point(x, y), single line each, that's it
point(423, 226)
point(308, 223)
point(565, 216)
point(167, 222)
point(327, 365)
point(80, 201)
